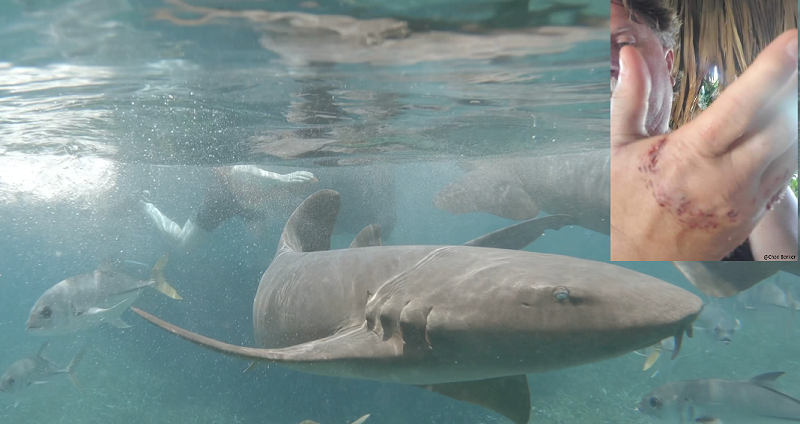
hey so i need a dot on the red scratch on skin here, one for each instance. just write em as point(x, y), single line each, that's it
point(775, 198)
point(651, 158)
point(682, 208)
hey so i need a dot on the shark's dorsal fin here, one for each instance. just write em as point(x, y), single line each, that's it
point(518, 236)
point(369, 236)
point(508, 396)
point(310, 227)
point(767, 379)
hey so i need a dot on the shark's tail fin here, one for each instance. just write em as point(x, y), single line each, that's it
point(161, 284)
point(71, 368)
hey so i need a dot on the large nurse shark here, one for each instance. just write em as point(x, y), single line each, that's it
point(466, 321)
point(578, 184)
point(518, 188)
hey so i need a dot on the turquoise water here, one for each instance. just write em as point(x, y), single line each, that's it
point(100, 100)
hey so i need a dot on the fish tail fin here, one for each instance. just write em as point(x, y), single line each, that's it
point(161, 283)
point(361, 420)
point(652, 358)
point(71, 368)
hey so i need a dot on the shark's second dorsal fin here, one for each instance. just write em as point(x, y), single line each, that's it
point(508, 396)
point(369, 236)
point(310, 227)
point(518, 236)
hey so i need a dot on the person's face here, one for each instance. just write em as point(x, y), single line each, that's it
point(659, 60)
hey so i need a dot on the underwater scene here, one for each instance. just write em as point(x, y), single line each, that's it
point(354, 211)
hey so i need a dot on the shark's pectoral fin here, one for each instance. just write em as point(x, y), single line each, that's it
point(485, 191)
point(508, 396)
point(518, 236)
point(369, 236)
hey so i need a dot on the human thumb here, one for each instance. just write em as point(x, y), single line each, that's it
point(629, 99)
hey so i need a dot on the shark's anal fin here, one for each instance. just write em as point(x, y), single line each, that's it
point(369, 236)
point(508, 396)
point(517, 236)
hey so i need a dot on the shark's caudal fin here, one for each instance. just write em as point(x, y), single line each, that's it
point(508, 396)
point(310, 227)
point(161, 284)
point(369, 236)
point(348, 344)
point(518, 236)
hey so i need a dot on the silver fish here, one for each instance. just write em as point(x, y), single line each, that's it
point(717, 323)
point(765, 295)
point(36, 370)
point(753, 401)
point(88, 300)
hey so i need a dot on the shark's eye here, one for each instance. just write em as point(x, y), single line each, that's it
point(655, 403)
point(561, 294)
point(46, 312)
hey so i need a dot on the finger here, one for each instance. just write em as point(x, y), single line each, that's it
point(776, 131)
point(629, 100)
point(738, 106)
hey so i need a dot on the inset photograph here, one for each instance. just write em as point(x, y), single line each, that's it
point(704, 130)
